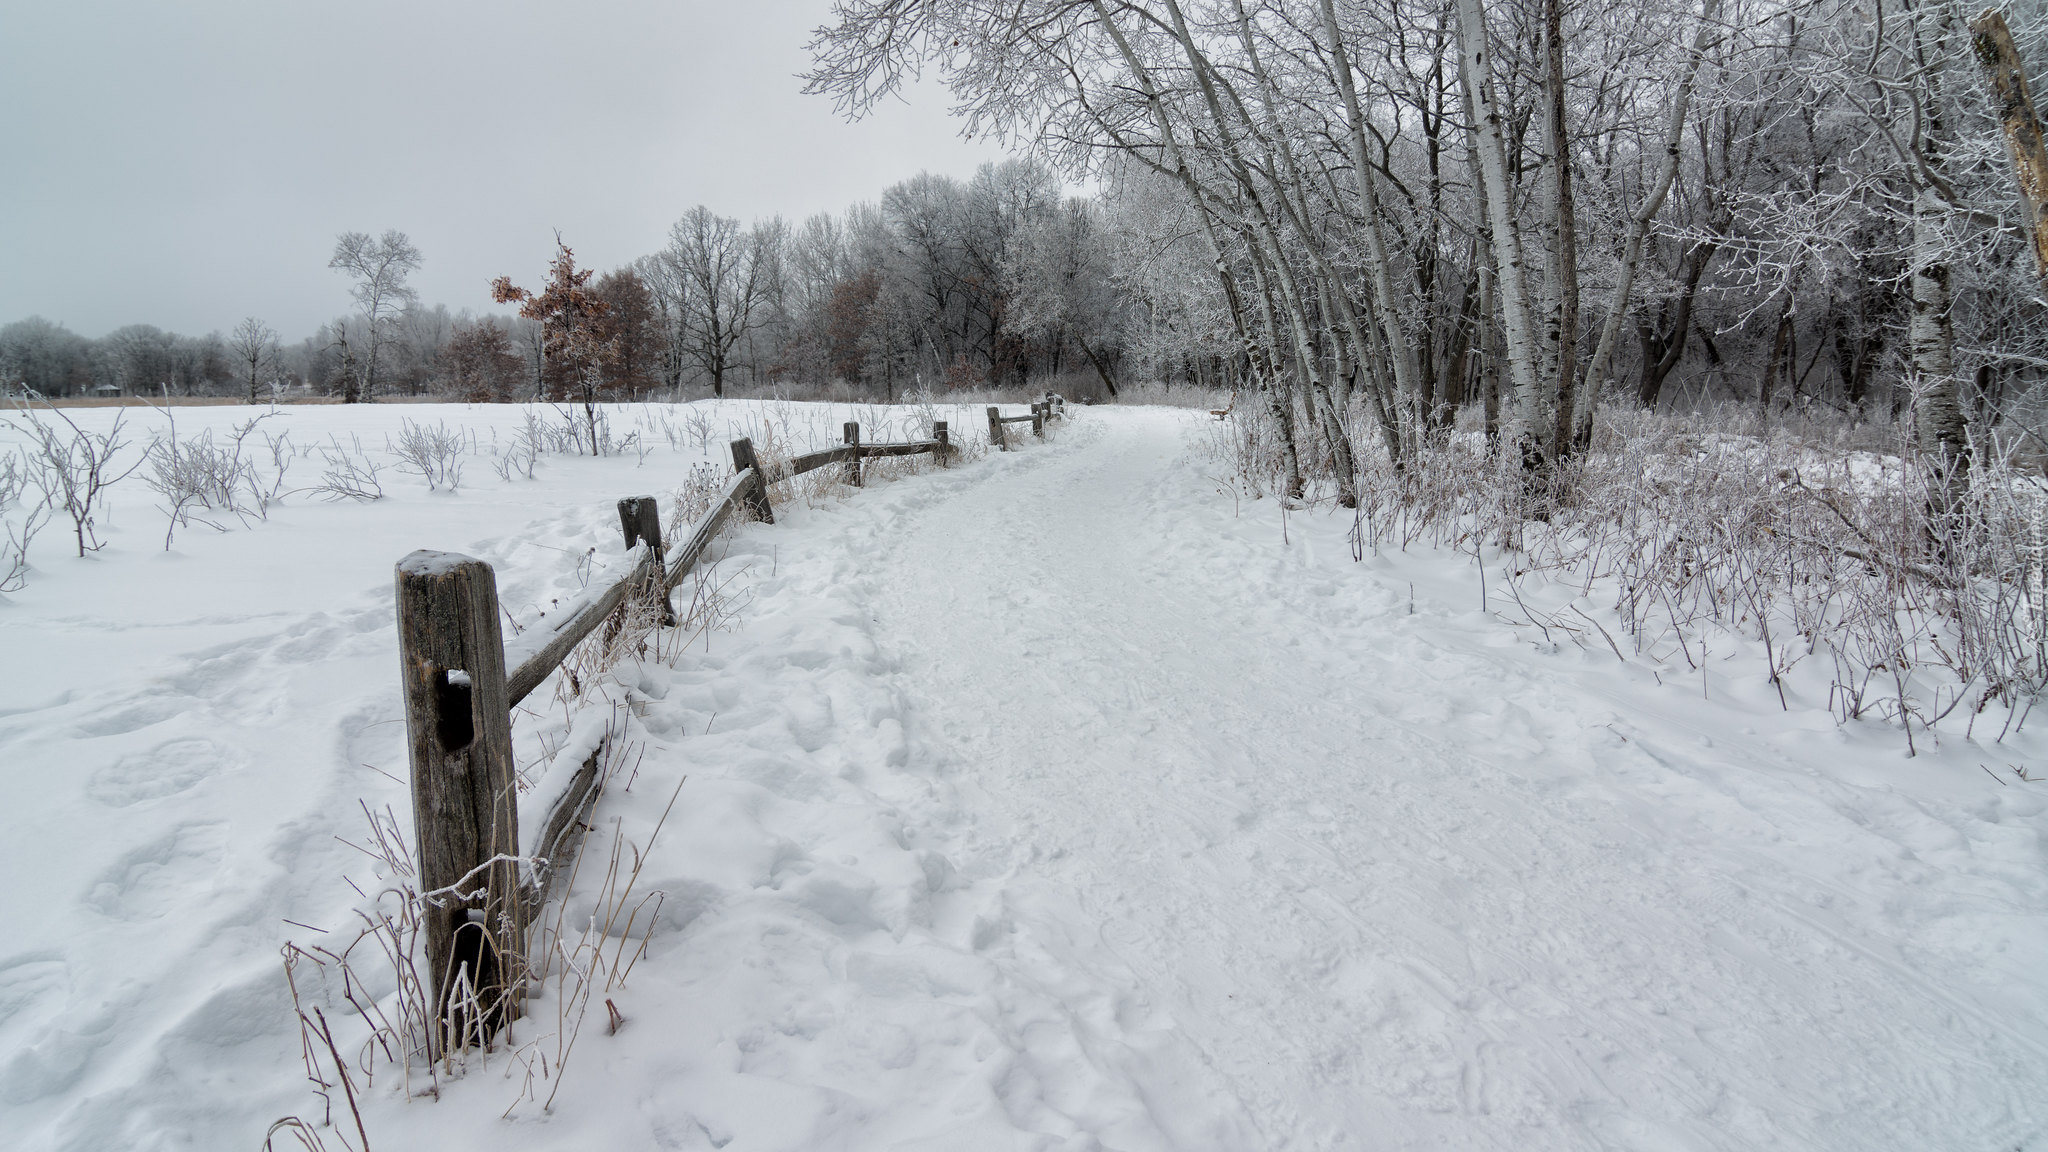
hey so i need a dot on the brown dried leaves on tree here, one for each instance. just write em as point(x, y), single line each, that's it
point(577, 344)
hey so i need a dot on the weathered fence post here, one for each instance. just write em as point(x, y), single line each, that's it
point(995, 428)
point(640, 519)
point(756, 495)
point(851, 433)
point(458, 727)
point(1038, 420)
point(945, 445)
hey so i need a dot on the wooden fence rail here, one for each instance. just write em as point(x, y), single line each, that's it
point(459, 694)
point(1053, 407)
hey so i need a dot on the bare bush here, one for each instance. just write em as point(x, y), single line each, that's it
point(14, 565)
point(433, 453)
point(349, 474)
point(515, 459)
point(74, 467)
point(195, 476)
point(1706, 540)
point(568, 434)
point(16, 478)
point(698, 425)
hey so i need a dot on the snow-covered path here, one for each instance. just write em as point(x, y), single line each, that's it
point(1313, 872)
point(1061, 801)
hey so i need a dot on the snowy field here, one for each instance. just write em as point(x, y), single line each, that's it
point(1054, 801)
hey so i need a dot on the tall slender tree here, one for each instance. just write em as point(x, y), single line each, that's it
point(379, 268)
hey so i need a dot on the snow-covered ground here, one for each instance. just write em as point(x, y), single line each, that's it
point(1057, 801)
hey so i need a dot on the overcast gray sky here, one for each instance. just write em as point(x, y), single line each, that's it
point(189, 163)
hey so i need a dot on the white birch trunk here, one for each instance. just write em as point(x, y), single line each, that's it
point(1930, 332)
point(1407, 376)
point(1476, 63)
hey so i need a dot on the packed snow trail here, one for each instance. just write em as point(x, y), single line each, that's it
point(1323, 880)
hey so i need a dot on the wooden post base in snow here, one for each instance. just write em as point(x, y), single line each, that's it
point(465, 809)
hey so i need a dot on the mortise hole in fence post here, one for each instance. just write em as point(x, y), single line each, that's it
point(640, 519)
point(451, 659)
point(452, 720)
point(756, 496)
point(851, 433)
point(995, 428)
point(945, 445)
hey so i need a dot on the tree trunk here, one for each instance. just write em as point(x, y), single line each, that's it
point(1489, 344)
point(1101, 369)
point(1401, 352)
point(2014, 106)
point(1944, 439)
point(1781, 338)
point(1490, 143)
point(1562, 336)
point(1930, 334)
point(1277, 393)
point(1663, 346)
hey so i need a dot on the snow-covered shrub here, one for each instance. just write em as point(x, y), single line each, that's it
point(515, 459)
point(14, 477)
point(433, 453)
point(349, 474)
point(74, 467)
point(1793, 540)
point(19, 527)
point(195, 476)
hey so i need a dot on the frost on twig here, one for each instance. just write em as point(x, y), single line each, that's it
point(16, 479)
point(194, 476)
point(349, 473)
point(433, 453)
point(74, 467)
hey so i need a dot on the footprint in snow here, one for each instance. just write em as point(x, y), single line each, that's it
point(166, 770)
point(148, 882)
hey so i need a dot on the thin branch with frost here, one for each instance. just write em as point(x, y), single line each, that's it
point(433, 453)
point(350, 473)
point(74, 467)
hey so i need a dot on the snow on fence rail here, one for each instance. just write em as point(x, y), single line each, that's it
point(460, 679)
point(1053, 407)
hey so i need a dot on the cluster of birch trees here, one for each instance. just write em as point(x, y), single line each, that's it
point(1407, 206)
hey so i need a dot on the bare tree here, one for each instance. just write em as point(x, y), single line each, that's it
point(1062, 285)
point(254, 344)
point(380, 268)
point(727, 275)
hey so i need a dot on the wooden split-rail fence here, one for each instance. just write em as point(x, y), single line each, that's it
point(1053, 407)
point(461, 680)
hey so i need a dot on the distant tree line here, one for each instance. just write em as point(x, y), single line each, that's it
point(1369, 218)
point(996, 280)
